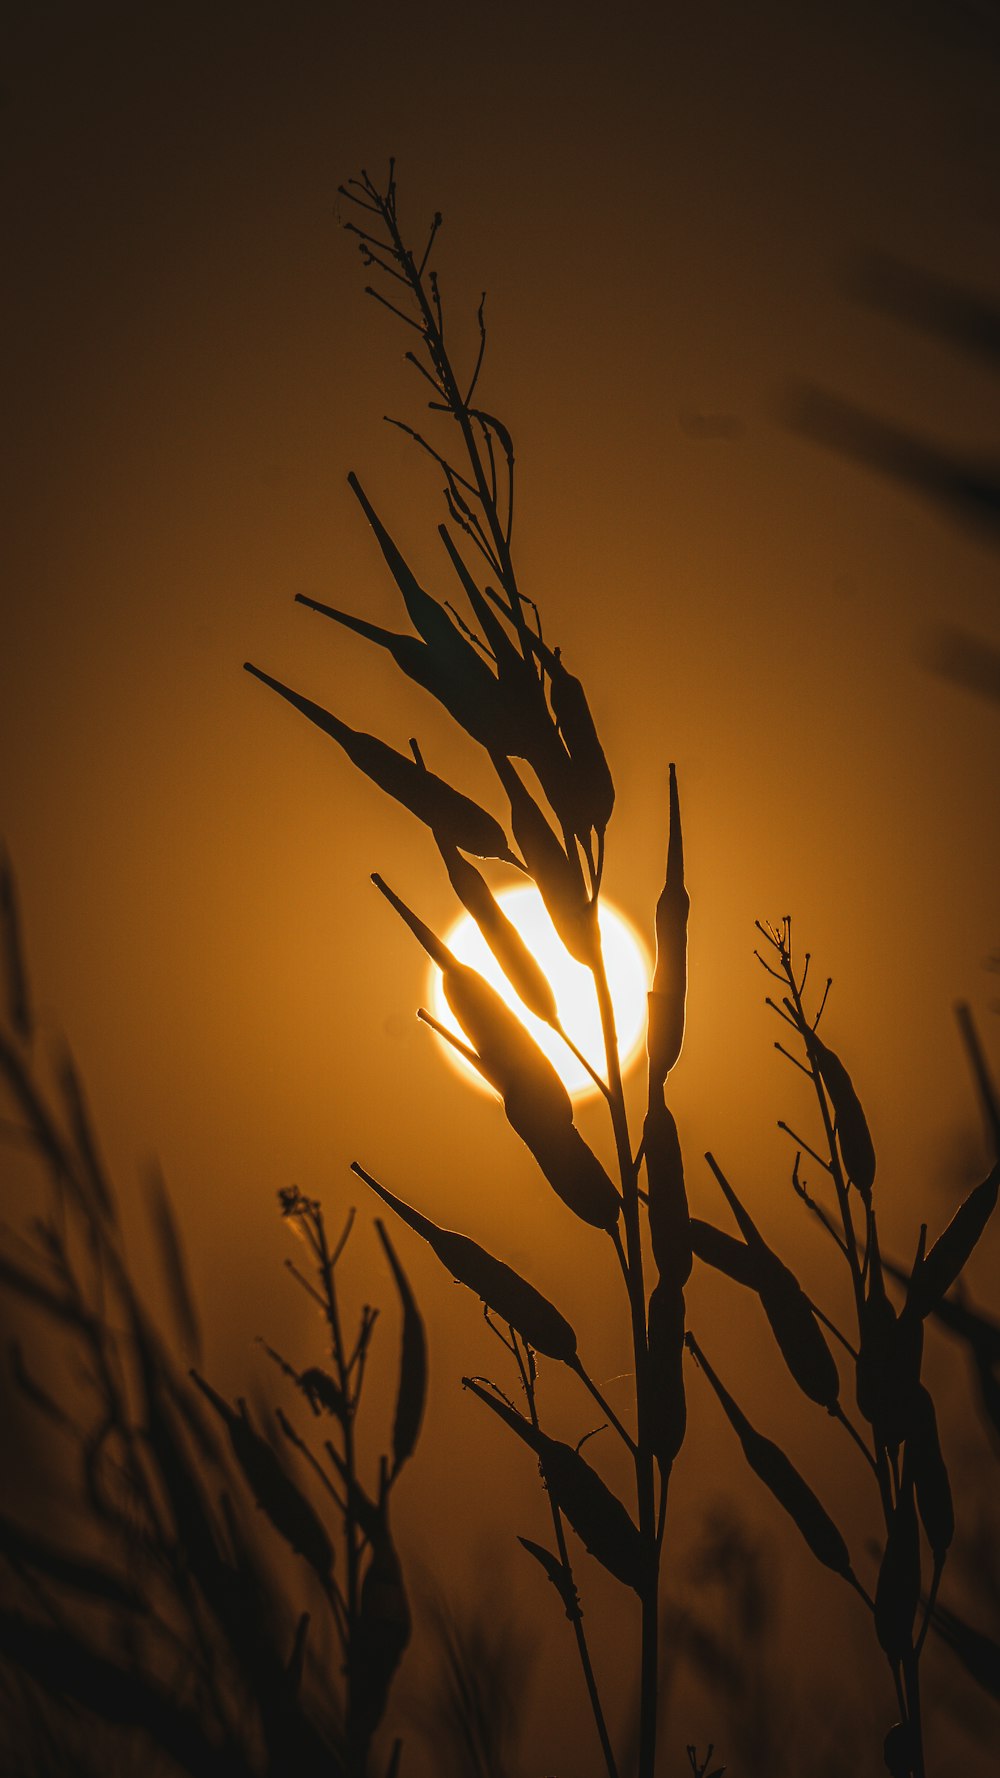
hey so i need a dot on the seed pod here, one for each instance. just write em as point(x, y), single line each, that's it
point(853, 1136)
point(595, 787)
point(888, 1366)
point(724, 1253)
point(411, 1393)
point(502, 1289)
point(668, 1409)
point(669, 1222)
point(571, 1168)
point(273, 1489)
point(665, 1030)
point(789, 1488)
point(515, 959)
point(557, 874)
point(789, 1312)
point(467, 690)
point(597, 1516)
point(433, 801)
point(898, 1591)
point(945, 1261)
point(380, 1637)
point(930, 1478)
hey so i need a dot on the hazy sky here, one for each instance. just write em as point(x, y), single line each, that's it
point(667, 207)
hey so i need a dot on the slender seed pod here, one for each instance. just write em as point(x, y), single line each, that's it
point(380, 1636)
point(768, 1461)
point(669, 1222)
point(502, 1289)
point(433, 801)
point(724, 1253)
point(515, 959)
point(930, 1478)
point(853, 1135)
point(576, 725)
point(597, 1516)
point(897, 1593)
point(943, 1264)
point(558, 876)
point(468, 691)
point(668, 1408)
point(800, 1339)
point(571, 1168)
point(667, 999)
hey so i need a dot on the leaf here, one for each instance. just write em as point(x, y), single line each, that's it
point(503, 1290)
point(15, 968)
point(411, 1394)
point(667, 998)
point(778, 1473)
point(560, 1577)
point(429, 798)
point(272, 1487)
point(597, 1516)
point(173, 1263)
point(669, 1222)
point(942, 1265)
point(853, 1136)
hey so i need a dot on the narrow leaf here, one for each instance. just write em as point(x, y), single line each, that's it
point(173, 1263)
point(508, 947)
point(943, 1264)
point(897, 1593)
point(669, 1222)
point(667, 999)
point(853, 1136)
point(412, 1391)
point(930, 1478)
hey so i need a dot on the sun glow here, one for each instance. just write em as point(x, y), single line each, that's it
point(628, 978)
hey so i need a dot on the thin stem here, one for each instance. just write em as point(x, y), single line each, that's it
point(576, 1617)
point(604, 1406)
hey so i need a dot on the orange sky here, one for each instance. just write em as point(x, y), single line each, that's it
point(665, 216)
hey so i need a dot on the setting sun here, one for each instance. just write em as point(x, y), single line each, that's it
point(628, 976)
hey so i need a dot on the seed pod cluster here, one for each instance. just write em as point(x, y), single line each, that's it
point(502, 1289)
point(667, 999)
point(597, 1516)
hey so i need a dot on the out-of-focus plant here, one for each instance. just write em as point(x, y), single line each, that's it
point(166, 1619)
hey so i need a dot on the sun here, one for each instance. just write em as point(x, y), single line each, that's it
point(628, 970)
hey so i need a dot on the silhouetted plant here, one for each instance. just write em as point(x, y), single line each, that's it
point(169, 1625)
point(510, 691)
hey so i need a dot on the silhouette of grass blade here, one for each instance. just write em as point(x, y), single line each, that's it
point(276, 1494)
point(778, 1473)
point(942, 1265)
point(66, 1569)
point(18, 997)
point(411, 1394)
point(429, 798)
point(668, 996)
point(597, 1516)
point(978, 1653)
point(173, 1263)
point(503, 1290)
point(65, 1667)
